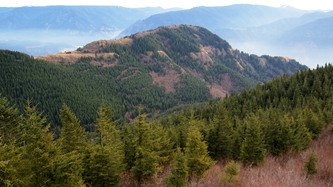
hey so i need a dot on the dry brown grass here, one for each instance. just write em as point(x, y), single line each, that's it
point(282, 171)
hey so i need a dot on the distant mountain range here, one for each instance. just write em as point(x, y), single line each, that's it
point(159, 69)
point(305, 35)
point(285, 31)
point(51, 29)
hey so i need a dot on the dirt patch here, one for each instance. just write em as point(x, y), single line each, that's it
point(167, 81)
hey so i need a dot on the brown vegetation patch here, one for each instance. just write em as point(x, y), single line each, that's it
point(72, 57)
point(162, 53)
point(97, 45)
point(167, 81)
point(262, 62)
point(203, 57)
point(65, 57)
point(217, 91)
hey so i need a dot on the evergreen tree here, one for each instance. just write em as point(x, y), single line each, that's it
point(252, 151)
point(231, 172)
point(72, 137)
point(221, 136)
point(106, 160)
point(10, 152)
point(179, 172)
point(9, 122)
point(129, 146)
point(310, 166)
point(198, 160)
point(146, 159)
point(68, 169)
point(73, 142)
point(39, 152)
point(10, 165)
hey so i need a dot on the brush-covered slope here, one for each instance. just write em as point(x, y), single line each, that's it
point(159, 69)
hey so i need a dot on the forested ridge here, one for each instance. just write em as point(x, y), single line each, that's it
point(278, 117)
point(158, 69)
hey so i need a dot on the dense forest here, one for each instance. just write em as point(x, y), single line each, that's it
point(278, 117)
point(159, 69)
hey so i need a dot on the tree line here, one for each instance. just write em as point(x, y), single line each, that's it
point(279, 117)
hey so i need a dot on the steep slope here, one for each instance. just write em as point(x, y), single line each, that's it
point(159, 69)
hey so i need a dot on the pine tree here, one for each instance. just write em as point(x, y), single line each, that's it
point(129, 146)
point(9, 122)
point(252, 151)
point(10, 152)
point(221, 136)
point(72, 137)
point(10, 165)
point(310, 166)
point(106, 160)
point(73, 143)
point(179, 172)
point(146, 159)
point(39, 152)
point(231, 172)
point(198, 160)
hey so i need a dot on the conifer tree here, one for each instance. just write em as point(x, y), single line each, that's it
point(146, 159)
point(72, 137)
point(9, 122)
point(221, 136)
point(39, 152)
point(179, 171)
point(198, 160)
point(10, 165)
point(106, 161)
point(252, 151)
point(73, 142)
point(231, 172)
point(129, 146)
point(310, 166)
point(10, 152)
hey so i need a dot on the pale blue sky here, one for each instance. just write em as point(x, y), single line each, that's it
point(301, 4)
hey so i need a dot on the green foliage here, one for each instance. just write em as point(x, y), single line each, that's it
point(231, 172)
point(72, 137)
point(9, 122)
point(179, 173)
point(39, 152)
point(198, 160)
point(68, 169)
point(106, 160)
point(252, 150)
point(310, 166)
point(146, 159)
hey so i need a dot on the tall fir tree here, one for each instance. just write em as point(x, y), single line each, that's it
point(252, 150)
point(198, 160)
point(106, 160)
point(39, 151)
point(179, 173)
point(146, 159)
point(73, 143)
point(73, 136)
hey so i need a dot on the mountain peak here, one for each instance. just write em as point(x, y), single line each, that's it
point(177, 56)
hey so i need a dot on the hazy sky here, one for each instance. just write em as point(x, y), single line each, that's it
point(301, 4)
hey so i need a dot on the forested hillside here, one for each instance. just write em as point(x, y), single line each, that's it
point(158, 69)
point(279, 117)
